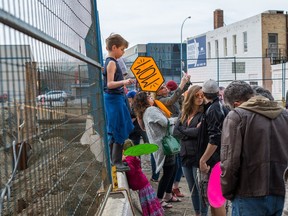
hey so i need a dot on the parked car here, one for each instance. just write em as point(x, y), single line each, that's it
point(3, 97)
point(55, 95)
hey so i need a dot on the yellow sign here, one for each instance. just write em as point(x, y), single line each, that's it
point(147, 73)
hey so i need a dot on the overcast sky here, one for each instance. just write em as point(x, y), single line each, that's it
point(159, 21)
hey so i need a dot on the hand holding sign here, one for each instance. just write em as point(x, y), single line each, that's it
point(147, 73)
point(129, 81)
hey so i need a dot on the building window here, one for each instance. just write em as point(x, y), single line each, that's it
point(238, 67)
point(216, 49)
point(272, 45)
point(225, 46)
point(209, 50)
point(272, 38)
point(252, 83)
point(245, 42)
point(234, 45)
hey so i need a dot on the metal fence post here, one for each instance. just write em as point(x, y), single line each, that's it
point(283, 80)
point(100, 56)
point(218, 70)
point(235, 76)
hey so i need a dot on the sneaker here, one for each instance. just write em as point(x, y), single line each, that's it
point(177, 192)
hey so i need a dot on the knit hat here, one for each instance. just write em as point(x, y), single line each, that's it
point(131, 94)
point(171, 85)
point(210, 86)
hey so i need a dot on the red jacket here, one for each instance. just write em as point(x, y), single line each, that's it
point(136, 178)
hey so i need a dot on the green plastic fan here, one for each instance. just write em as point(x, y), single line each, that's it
point(141, 149)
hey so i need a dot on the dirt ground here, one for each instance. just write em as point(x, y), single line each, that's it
point(62, 178)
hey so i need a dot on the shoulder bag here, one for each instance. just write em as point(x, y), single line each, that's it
point(169, 143)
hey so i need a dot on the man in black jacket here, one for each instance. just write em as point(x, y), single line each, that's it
point(210, 137)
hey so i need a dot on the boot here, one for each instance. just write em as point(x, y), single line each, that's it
point(117, 158)
point(285, 209)
point(110, 152)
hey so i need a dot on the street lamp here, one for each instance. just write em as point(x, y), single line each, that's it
point(181, 55)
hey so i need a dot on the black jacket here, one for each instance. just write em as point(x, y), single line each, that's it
point(188, 136)
point(211, 129)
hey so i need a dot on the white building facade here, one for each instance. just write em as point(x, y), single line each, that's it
point(243, 50)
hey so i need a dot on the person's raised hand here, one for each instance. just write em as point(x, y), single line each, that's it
point(184, 80)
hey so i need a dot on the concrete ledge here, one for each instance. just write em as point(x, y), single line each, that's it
point(117, 206)
point(119, 202)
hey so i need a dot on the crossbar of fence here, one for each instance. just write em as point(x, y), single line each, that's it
point(18, 24)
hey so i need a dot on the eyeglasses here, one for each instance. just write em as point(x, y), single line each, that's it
point(199, 95)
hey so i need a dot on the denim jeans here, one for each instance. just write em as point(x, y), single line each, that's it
point(155, 175)
point(258, 206)
point(192, 180)
point(179, 171)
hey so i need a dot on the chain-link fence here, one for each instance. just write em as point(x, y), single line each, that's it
point(52, 124)
point(253, 70)
point(265, 72)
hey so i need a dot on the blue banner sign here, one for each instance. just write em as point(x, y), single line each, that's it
point(196, 52)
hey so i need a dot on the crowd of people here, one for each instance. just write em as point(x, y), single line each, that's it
point(240, 126)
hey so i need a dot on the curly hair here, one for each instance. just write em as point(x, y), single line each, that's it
point(258, 90)
point(237, 90)
point(188, 105)
point(140, 104)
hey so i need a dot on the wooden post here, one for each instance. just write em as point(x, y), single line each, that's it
point(30, 100)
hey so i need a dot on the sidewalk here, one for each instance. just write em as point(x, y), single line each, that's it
point(183, 208)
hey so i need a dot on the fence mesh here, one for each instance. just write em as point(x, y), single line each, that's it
point(52, 125)
point(253, 70)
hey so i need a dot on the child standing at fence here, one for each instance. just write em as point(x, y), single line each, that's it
point(119, 123)
point(138, 181)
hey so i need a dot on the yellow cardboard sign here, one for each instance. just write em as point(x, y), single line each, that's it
point(147, 73)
